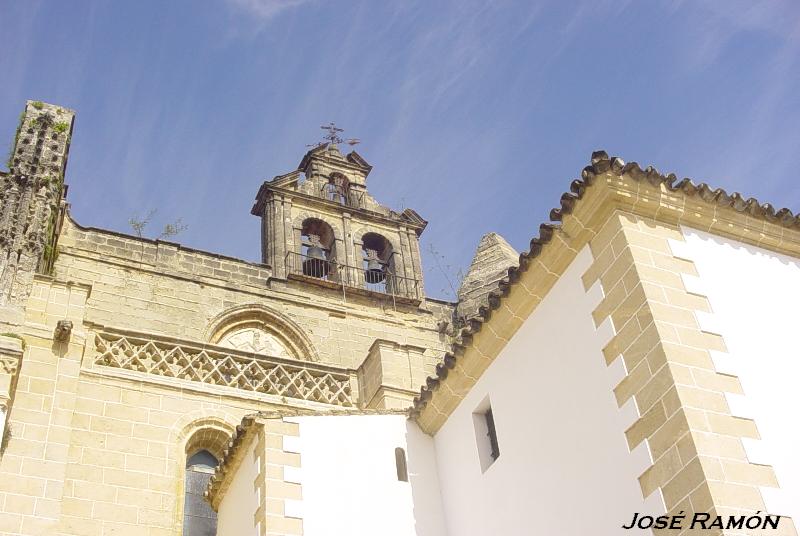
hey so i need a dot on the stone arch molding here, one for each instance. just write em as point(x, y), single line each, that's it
point(210, 430)
point(201, 431)
point(258, 329)
point(390, 236)
point(334, 222)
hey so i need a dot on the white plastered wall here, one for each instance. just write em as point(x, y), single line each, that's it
point(564, 465)
point(349, 477)
point(754, 295)
point(237, 510)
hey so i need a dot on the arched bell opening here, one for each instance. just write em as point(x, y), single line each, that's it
point(378, 261)
point(318, 249)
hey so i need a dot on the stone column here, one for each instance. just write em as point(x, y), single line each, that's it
point(403, 256)
point(416, 263)
point(349, 253)
point(347, 239)
point(276, 233)
point(288, 233)
point(268, 233)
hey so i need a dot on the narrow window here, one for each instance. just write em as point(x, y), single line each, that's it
point(400, 463)
point(485, 434)
point(198, 517)
point(492, 434)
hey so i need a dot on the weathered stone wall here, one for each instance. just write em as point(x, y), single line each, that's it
point(31, 203)
point(91, 452)
point(97, 450)
point(162, 288)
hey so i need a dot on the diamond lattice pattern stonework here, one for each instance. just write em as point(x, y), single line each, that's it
point(257, 373)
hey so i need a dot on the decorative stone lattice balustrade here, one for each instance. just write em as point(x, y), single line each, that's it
point(224, 367)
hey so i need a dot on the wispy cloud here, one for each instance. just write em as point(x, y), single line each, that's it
point(264, 10)
point(711, 26)
point(472, 111)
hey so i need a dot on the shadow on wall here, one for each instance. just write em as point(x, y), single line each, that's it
point(424, 480)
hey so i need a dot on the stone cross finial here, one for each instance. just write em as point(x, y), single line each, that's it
point(332, 136)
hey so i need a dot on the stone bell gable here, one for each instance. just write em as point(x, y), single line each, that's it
point(320, 225)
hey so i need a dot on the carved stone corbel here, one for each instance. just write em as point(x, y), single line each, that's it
point(63, 331)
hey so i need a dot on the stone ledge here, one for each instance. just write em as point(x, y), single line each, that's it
point(11, 346)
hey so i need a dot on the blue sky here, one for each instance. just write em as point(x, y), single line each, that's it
point(477, 114)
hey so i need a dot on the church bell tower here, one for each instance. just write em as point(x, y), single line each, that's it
point(319, 225)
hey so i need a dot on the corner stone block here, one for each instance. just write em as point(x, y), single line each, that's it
point(389, 367)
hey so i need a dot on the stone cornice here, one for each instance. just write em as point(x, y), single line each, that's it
point(164, 243)
point(416, 223)
point(386, 343)
point(11, 346)
point(607, 185)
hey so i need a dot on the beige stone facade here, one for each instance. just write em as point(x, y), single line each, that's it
point(121, 357)
point(169, 348)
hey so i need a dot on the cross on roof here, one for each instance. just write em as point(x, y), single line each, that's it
point(332, 137)
point(333, 133)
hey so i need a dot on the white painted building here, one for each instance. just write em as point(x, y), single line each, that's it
point(631, 364)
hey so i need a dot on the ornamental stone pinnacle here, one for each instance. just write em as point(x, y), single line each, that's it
point(489, 265)
point(31, 207)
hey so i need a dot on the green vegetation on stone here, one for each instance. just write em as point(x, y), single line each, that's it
point(14, 336)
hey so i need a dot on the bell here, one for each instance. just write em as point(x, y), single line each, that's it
point(315, 264)
point(374, 272)
point(316, 252)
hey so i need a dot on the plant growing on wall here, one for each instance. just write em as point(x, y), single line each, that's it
point(170, 229)
point(452, 275)
point(14, 336)
point(10, 160)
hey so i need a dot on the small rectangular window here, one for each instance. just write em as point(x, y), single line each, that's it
point(400, 464)
point(492, 433)
point(485, 434)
